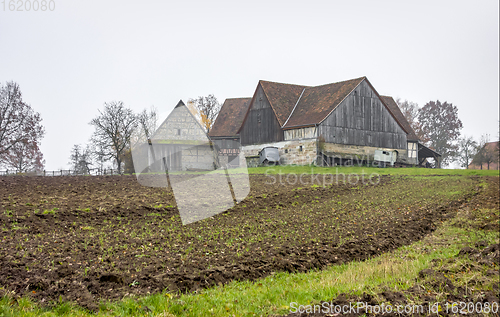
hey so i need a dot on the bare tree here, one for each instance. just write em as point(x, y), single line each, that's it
point(98, 154)
point(24, 157)
point(410, 110)
point(467, 150)
point(147, 123)
point(81, 159)
point(20, 130)
point(208, 108)
point(113, 130)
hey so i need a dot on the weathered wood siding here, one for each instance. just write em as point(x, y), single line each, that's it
point(362, 119)
point(261, 124)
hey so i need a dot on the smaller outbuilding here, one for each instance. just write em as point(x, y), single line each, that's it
point(224, 132)
point(183, 143)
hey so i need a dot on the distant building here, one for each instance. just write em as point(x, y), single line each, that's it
point(490, 150)
point(183, 143)
point(325, 125)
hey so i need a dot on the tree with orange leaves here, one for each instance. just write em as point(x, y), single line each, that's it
point(205, 110)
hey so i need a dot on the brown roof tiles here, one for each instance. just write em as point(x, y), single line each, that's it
point(298, 106)
point(230, 117)
point(318, 102)
point(282, 97)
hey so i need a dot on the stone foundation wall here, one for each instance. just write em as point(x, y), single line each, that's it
point(358, 152)
point(299, 152)
point(291, 152)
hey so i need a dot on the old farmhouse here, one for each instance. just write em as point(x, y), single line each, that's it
point(325, 125)
point(182, 142)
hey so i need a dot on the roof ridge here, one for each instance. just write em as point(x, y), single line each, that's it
point(340, 82)
point(275, 82)
point(307, 86)
point(238, 98)
point(291, 113)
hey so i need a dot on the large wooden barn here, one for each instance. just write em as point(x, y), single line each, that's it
point(325, 125)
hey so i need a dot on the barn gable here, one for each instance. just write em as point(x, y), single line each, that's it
point(282, 98)
point(180, 127)
point(261, 123)
point(362, 119)
point(183, 143)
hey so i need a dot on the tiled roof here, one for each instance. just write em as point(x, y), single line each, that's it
point(318, 102)
point(398, 115)
point(230, 117)
point(297, 106)
point(282, 97)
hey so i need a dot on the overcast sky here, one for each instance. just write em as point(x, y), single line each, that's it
point(71, 60)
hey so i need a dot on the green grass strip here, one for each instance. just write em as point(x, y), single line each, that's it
point(309, 169)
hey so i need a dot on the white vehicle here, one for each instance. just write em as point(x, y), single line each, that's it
point(384, 157)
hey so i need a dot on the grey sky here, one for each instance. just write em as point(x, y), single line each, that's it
point(69, 61)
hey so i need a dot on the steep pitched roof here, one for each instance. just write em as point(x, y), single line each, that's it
point(282, 98)
point(230, 117)
point(300, 106)
point(318, 102)
point(398, 115)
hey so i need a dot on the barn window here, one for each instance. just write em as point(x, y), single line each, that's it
point(412, 150)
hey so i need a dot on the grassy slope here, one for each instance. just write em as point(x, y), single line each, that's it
point(395, 270)
point(368, 170)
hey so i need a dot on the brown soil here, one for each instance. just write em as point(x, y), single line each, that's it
point(85, 239)
point(484, 261)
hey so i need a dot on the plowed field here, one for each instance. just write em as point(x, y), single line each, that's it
point(84, 239)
